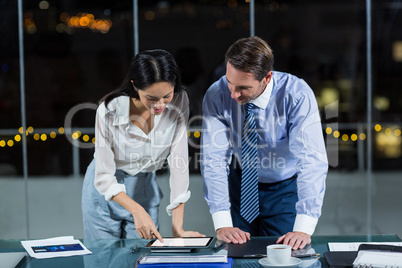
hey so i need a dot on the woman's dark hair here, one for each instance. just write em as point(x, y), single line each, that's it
point(146, 68)
point(251, 55)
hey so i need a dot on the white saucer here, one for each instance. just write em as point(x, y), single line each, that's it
point(294, 262)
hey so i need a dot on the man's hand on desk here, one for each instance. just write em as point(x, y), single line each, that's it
point(232, 235)
point(297, 240)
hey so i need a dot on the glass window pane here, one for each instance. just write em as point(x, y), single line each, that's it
point(75, 52)
point(325, 44)
point(12, 189)
point(10, 111)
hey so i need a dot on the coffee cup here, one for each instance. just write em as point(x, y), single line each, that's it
point(279, 254)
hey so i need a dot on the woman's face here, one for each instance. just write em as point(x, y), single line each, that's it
point(157, 96)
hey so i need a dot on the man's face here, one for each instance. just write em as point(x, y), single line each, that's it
point(243, 86)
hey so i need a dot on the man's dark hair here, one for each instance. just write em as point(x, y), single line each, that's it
point(251, 55)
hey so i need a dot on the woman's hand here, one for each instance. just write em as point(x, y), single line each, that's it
point(144, 225)
point(177, 224)
point(182, 233)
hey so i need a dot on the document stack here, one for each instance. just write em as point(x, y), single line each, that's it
point(210, 261)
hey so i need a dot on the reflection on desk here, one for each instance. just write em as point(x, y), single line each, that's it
point(113, 253)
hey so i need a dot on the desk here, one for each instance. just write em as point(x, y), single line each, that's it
point(117, 253)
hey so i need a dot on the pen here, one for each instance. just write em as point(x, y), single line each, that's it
point(134, 249)
point(219, 247)
point(255, 256)
point(295, 256)
point(306, 255)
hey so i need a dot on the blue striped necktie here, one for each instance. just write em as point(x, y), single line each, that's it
point(249, 201)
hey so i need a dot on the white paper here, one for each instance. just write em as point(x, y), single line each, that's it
point(56, 241)
point(184, 259)
point(355, 246)
point(378, 259)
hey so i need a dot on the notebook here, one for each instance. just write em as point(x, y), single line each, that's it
point(256, 248)
point(379, 258)
point(11, 259)
point(374, 255)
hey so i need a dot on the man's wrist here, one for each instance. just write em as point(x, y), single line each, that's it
point(222, 219)
point(305, 224)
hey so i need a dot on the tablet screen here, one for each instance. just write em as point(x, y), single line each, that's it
point(182, 242)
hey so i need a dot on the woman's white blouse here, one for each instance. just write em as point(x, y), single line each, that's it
point(120, 144)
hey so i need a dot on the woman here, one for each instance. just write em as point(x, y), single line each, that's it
point(137, 127)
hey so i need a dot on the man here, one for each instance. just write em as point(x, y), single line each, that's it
point(264, 162)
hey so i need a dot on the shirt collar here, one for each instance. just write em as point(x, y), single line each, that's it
point(262, 100)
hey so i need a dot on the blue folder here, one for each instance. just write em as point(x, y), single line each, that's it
point(229, 264)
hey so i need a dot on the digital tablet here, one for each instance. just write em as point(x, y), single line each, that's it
point(179, 244)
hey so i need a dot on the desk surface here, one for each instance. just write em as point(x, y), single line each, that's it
point(117, 253)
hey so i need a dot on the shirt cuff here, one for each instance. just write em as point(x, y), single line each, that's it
point(222, 219)
point(114, 190)
point(180, 199)
point(305, 224)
